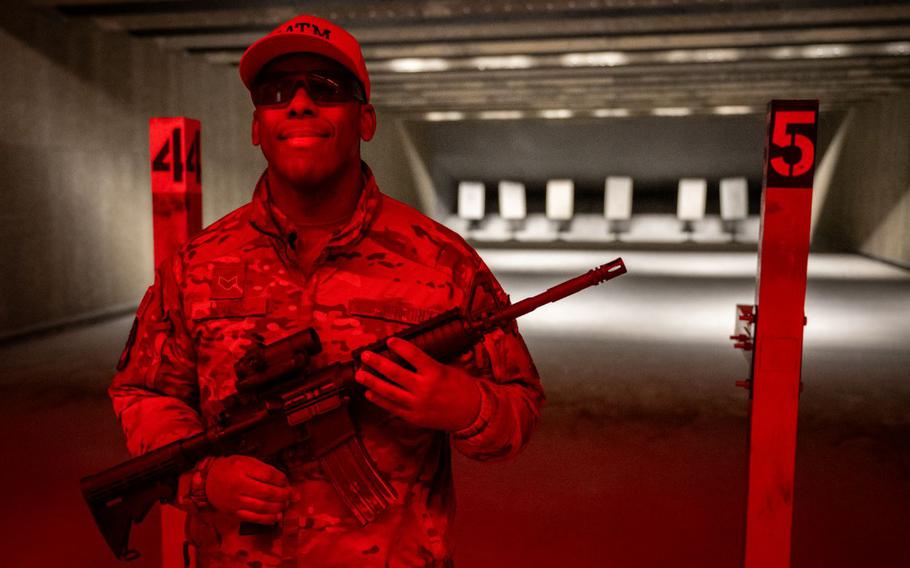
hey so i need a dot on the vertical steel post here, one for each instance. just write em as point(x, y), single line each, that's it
point(780, 297)
point(175, 149)
point(176, 171)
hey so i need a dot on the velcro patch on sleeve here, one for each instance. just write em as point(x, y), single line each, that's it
point(228, 280)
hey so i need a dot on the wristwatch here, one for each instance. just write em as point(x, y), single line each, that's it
point(197, 495)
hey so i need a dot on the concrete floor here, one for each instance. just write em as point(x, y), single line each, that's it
point(639, 459)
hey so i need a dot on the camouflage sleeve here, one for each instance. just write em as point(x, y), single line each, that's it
point(155, 390)
point(511, 393)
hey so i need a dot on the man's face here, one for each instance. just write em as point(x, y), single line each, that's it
point(305, 142)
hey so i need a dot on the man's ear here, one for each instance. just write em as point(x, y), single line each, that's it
point(367, 122)
point(255, 128)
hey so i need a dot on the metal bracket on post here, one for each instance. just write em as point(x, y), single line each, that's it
point(176, 170)
point(744, 338)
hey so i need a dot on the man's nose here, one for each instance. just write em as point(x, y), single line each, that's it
point(301, 103)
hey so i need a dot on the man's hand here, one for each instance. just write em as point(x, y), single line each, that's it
point(437, 396)
point(247, 489)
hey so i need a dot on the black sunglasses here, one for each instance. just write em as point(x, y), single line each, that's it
point(323, 87)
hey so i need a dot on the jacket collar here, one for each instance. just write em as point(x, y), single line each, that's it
point(267, 218)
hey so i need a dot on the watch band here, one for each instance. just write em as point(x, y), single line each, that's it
point(197, 494)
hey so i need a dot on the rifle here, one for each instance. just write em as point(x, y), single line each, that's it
point(281, 403)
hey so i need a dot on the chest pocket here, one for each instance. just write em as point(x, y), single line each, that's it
point(243, 307)
point(224, 329)
point(390, 311)
point(377, 319)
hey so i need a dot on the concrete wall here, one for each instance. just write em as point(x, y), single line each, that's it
point(387, 156)
point(75, 218)
point(866, 198)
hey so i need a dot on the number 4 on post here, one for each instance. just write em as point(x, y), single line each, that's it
point(160, 161)
point(176, 182)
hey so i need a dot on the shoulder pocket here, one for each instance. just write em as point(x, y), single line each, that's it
point(231, 308)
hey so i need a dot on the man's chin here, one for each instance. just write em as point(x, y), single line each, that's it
point(310, 171)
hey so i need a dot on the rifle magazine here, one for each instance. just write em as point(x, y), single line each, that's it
point(357, 480)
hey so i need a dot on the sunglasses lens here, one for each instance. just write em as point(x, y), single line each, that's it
point(274, 93)
point(322, 88)
point(326, 89)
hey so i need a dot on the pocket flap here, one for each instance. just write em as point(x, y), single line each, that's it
point(231, 308)
point(390, 310)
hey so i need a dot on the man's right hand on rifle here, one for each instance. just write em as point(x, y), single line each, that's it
point(247, 489)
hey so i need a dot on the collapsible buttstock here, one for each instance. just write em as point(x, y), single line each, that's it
point(124, 494)
point(115, 517)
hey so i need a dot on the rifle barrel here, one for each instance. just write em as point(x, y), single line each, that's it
point(592, 277)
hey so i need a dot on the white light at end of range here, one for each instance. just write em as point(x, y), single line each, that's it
point(701, 55)
point(442, 116)
point(556, 113)
point(417, 65)
point(717, 55)
point(826, 51)
point(611, 112)
point(596, 59)
point(733, 109)
point(897, 48)
point(503, 62)
point(500, 115)
point(784, 53)
point(672, 111)
point(817, 51)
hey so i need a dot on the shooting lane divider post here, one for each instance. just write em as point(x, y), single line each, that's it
point(772, 330)
point(176, 170)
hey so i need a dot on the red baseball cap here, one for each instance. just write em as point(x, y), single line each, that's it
point(307, 34)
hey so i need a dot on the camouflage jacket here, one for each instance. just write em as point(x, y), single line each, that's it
point(239, 281)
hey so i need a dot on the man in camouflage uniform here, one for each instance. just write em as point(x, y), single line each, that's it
point(320, 246)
